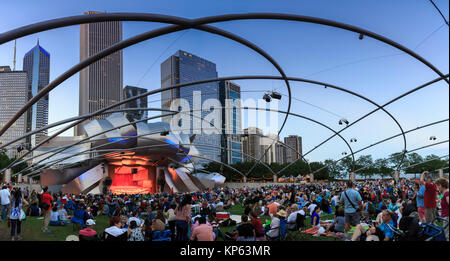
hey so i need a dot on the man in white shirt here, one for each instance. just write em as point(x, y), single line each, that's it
point(135, 218)
point(311, 208)
point(292, 218)
point(5, 200)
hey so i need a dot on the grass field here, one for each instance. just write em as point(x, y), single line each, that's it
point(31, 229)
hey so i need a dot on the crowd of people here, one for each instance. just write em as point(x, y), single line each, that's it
point(377, 210)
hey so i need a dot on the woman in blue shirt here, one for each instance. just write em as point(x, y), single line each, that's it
point(315, 218)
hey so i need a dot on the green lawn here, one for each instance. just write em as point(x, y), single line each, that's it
point(31, 229)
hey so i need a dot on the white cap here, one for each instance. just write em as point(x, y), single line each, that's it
point(90, 222)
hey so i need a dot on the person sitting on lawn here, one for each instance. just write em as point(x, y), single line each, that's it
point(135, 217)
point(202, 232)
point(89, 230)
point(159, 222)
point(383, 232)
point(54, 217)
point(245, 231)
point(116, 232)
point(338, 224)
point(315, 217)
point(134, 232)
point(63, 216)
point(274, 230)
point(258, 226)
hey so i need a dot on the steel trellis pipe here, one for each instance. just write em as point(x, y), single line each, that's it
point(391, 101)
point(73, 20)
point(382, 141)
point(423, 162)
point(420, 148)
point(178, 86)
point(195, 156)
point(89, 139)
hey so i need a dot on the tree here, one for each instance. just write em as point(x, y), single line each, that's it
point(382, 166)
point(414, 159)
point(395, 161)
point(365, 163)
point(322, 174)
point(334, 169)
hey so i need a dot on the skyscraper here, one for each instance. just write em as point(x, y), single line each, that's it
point(294, 142)
point(231, 122)
point(101, 82)
point(131, 91)
point(13, 96)
point(252, 143)
point(36, 63)
point(183, 67)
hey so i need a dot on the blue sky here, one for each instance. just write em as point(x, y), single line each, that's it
point(317, 52)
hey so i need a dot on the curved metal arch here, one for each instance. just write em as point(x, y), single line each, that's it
point(150, 146)
point(309, 119)
point(423, 162)
point(221, 79)
point(420, 148)
point(182, 25)
point(29, 29)
point(135, 40)
point(181, 85)
point(384, 140)
point(89, 139)
point(384, 105)
point(81, 19)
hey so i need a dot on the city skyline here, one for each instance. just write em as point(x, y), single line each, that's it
point(354, 64)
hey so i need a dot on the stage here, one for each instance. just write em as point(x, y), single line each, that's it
point(132, 179)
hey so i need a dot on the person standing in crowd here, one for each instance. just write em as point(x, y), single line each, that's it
point(15, 213)
point(352, 206)
point(430, 196)
point(5, 196)
point(183, 216)
point(46, 204)
point(420, 192)
point(171, 220)
point(442, 184)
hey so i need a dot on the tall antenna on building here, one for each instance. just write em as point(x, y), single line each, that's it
point(14, 61)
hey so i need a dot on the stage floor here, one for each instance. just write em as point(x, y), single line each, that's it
point(129, 190)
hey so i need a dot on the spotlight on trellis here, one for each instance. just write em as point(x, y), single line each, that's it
point(342, 121)
point(433, 138)
point(276, 95)
point(344, 153)
point(361, 36)
point(267, 97)
point(353, 140)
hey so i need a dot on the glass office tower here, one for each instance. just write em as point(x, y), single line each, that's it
point(36, 63)
point(184, 67)
point(231, 122)
point(131, 91)
point(13, 96)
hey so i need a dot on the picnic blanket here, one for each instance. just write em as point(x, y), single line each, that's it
point(315, 231)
